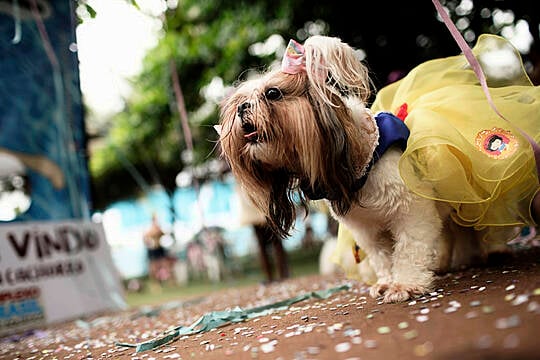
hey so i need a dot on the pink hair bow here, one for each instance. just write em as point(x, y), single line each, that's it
point(293, 60)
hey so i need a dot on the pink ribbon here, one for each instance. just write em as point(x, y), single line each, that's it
point(293, 60)
point(475, 65)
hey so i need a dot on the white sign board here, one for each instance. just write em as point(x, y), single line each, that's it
point(54, 271)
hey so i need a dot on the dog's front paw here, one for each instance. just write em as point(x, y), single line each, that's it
point(402, 292)
point(378, 290)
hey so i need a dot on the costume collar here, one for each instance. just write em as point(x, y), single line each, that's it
point(392, 131)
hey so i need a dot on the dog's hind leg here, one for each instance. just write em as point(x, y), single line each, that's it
point(461, 248)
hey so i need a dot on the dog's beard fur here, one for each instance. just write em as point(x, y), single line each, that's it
point(308, 134)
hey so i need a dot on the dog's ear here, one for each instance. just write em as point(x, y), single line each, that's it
point(340, 144)
point(333, 67)
point(272, 192)
point(282, 210)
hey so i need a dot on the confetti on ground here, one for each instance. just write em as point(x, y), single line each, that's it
point(488, 309)
point(410, 334)
point(403, 325)
point(484, 342)
point(509, 322)
point(343, 347)
point(520, 299)
point(423, 349)
point(269, 346)
point(347, 325)
point(370, 344)
point(216, 319)
point(511, 341)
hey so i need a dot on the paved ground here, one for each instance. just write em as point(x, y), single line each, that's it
point(481, 313)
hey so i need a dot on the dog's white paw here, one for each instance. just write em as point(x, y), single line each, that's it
point(402, 292)
point(378, 290)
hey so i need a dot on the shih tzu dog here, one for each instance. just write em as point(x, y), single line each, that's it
point(303, 133)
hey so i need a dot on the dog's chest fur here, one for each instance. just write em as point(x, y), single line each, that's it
point(384, 195)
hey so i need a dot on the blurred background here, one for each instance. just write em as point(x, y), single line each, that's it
point(107, 110)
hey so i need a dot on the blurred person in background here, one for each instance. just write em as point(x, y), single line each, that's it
point(159, 264)
point(269, 244)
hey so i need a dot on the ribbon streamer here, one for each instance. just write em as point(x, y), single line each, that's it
point(17, 17)
point(217, 319)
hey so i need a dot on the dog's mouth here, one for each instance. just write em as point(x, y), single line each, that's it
point(250, 132)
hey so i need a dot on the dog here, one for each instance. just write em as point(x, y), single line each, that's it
point(303, 132)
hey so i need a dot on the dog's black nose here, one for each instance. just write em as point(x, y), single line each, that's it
point(242, 107)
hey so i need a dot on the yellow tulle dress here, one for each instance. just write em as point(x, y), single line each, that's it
point(460, 151)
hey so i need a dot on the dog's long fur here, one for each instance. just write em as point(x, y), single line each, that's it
point(310, 132)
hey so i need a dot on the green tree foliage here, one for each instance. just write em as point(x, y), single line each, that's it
point(209, 40)
point(204, 40)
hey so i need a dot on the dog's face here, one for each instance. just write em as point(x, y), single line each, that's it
point(306, 131)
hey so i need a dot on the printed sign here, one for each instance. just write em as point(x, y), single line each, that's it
point(54, 271)
point(43, 167)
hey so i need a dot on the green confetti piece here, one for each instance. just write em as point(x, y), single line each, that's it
point(383, 330)
point(487, 309)
point(536, 291)
point(409, 335)
point(217, 319)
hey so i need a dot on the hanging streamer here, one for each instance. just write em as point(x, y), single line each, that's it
point(181, 107)
point(17, 17)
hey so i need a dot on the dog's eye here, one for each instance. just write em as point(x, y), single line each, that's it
point(273, 94)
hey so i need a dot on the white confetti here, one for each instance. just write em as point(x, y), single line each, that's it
point(509, 322)
point(471, 315)
point(370, 344)
point(520, 299)
point(342, 347)
point(533, 306)
point(268, 347)
point(351, 332)
point(484, 342)
point(511, 341)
